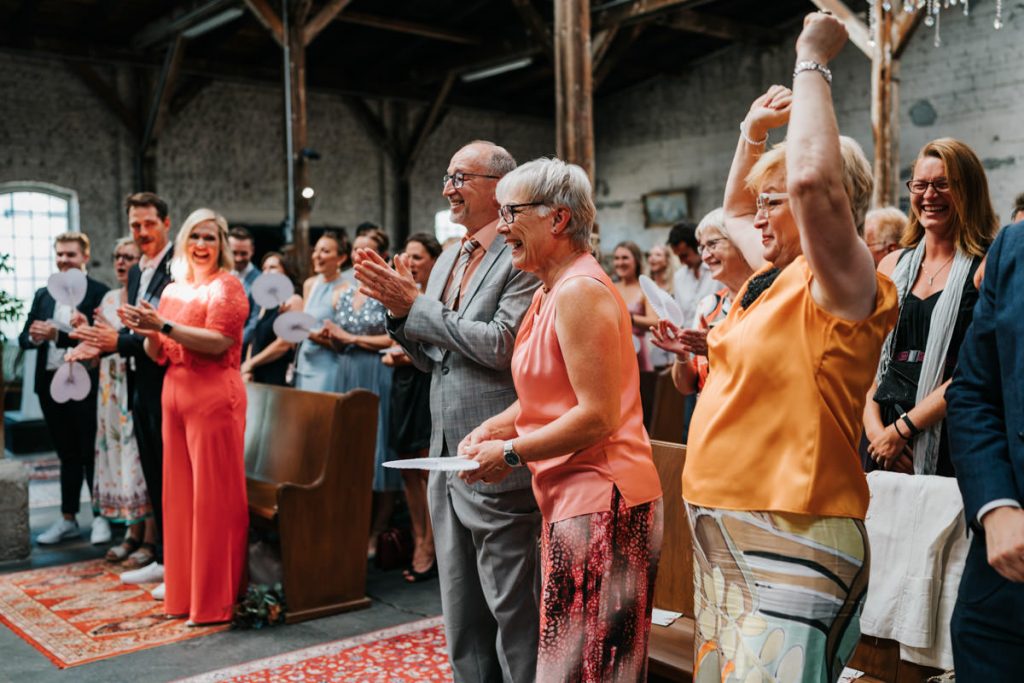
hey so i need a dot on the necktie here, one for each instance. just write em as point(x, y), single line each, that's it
point(451, 299)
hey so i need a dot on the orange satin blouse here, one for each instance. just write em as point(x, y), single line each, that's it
point(777, 425)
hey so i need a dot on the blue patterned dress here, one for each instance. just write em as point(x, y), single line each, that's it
point(362, 369)
point(316, 368)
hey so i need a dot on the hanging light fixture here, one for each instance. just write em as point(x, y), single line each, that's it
point(932, 13)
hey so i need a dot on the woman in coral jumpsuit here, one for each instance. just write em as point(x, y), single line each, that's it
point(197, 333)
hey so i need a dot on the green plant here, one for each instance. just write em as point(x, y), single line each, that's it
point(10, 306)
point(262, 606)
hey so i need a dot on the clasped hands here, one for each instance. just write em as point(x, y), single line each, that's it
point(394, 287)
point(487, 448)
point(665, 335)
point(891, 451)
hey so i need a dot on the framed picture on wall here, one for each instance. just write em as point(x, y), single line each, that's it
point(666, 208)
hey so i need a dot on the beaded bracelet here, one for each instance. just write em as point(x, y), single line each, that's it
point(753, 143)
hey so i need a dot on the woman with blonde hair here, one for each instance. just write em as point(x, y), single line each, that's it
point(773, 486)
point(197, 333)
point(628, 266)
point(952, 224)
point(662, 265)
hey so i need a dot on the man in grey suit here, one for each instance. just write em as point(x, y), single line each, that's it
point(462, 330)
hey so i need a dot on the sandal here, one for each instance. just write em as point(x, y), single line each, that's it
point(413, 576)
point(118, 553)
point(145, 555)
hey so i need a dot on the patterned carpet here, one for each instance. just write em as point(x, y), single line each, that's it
point(409, 653)
point(81, 612)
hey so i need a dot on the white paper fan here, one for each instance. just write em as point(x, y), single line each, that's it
point(672, 310)
point(294, 326)
point(663, 303)
point(71, 382)
point(455, 464)
point(270, 290)
point(67, 288)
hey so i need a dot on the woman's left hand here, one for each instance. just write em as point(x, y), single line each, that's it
point(491, 456)
point(887, 448)
point(142, 318)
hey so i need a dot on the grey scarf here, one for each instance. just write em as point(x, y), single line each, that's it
point(940, 330)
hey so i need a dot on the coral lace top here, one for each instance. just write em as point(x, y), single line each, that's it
point(220, 304)
point(777, 425)
point(580, 483)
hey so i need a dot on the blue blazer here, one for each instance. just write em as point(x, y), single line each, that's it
point(985, 402)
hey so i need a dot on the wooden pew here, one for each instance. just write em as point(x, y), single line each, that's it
point(667, 410)
point(309, 473)
point(670, 656)
point(879, 659)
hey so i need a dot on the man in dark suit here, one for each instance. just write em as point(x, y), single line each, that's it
point(985, 417)
point(72, 425)
point(150, 226)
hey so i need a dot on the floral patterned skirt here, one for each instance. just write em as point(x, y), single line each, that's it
point(777, 596)
point(596, 594)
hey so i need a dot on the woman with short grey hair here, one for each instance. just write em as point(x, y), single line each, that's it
point(578, 426)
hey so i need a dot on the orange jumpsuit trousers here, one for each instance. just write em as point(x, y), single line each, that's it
point(206, 515)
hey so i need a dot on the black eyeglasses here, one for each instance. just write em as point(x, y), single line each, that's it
point(126, 257)
point(458, 179)
point(508, 211)
point(921, 186)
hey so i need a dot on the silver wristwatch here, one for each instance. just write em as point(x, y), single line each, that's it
point(808, 65)
point(512, 458)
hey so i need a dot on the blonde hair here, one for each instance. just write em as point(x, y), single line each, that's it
point(181, 269)
point(72, 236)
point(858, 180)
point(891, 223)
point(671, 261)
point(124, 242)
point(974, 221)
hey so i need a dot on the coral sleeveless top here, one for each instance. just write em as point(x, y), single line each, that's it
point(777, 425)
point(580, 483)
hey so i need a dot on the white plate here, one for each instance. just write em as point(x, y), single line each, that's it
point(294, 326)
point(434, 464)
point(70, 383)
point(67, 288)
point(270, 290)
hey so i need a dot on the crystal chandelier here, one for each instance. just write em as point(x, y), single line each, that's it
point(932, 13)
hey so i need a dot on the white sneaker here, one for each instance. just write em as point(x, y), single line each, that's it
point(100, 531)
point(60, 530)
point(158, 592)
point(151, 573)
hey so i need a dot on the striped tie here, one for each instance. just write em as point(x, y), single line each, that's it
point(451, 300)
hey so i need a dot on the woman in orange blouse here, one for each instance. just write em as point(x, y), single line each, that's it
point(578, 426)
point(773, 485)
point(197, 332)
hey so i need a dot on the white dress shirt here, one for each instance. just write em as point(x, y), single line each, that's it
point(690, 289)
point(148, 267)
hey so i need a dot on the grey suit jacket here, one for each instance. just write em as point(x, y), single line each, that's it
point(468, 352)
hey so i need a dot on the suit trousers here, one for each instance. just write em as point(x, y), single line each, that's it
point(206, 516)
point(146, 414)
point(988, 623)
point(72, 428)
point(487, 560)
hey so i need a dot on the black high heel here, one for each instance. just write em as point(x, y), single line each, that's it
point(413, 576)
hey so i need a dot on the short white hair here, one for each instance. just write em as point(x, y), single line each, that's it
point(713, 220)
point(556, 184)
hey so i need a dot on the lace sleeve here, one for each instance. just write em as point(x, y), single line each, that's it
point(228, 307)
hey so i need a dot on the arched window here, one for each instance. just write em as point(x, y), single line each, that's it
point(31, 215)
point(444, 229)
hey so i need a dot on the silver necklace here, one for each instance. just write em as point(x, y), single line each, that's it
point(931, 278)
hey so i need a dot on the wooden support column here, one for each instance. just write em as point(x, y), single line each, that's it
point(163, 88)
point(296, 39)
point(574, 112)
point(891, 35)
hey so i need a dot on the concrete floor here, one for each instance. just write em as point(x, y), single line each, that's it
point(394, 602)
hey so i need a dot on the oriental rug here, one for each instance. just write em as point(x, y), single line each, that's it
point(81, 612)
point(408, 653)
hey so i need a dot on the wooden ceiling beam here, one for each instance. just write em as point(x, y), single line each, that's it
point(268, 17)
point(536, 27)
point(616, 52)
point(903, 27)
point(325, 16)
point(617, 13)
point(162, 91)
point(713, 26)
point(106, 94)
point(430, 120)
point(409, 27)
point(859, 33)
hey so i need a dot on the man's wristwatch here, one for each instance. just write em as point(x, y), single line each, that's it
point(166, 328)
point(512, 458)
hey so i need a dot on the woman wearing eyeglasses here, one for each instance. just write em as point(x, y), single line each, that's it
point(951, 226)
point(578, 426)
point(774, 490)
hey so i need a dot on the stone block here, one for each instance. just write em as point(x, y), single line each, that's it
point(14, 530)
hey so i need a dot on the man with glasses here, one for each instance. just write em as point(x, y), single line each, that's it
point(462, 330)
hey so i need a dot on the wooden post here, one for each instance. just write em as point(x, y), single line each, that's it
point(298, 13)
point(574, 84)
point(882, 109)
